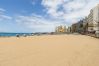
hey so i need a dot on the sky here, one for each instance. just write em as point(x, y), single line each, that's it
point(41, 15)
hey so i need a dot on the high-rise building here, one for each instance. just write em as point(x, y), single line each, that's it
point(96, 18)
point(93, 19)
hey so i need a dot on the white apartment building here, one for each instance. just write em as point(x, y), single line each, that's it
point(96, 17)
point(93, 19)
point(90, 21)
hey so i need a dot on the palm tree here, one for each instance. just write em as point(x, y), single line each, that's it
point(85, 28)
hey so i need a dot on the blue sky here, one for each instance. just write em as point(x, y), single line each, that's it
point(41, 15)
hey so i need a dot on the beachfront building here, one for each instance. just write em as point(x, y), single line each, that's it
point(90, 21)
point(60, 29)
point(77, 27)
point(93, 19)
point(96, 19)
point(88, 25)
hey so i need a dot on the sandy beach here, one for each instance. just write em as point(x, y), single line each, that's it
point(49, 50)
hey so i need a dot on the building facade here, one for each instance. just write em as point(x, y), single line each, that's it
point(96, 17)
point(93, 19)
point(77, 27)
point(60, 29)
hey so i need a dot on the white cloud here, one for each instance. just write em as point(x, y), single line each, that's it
point(1, 10)
point(52, 6)
point(69, 9)
point(3, 16)
point(37, 23)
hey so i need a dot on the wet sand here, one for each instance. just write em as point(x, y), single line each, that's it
point(51, 50)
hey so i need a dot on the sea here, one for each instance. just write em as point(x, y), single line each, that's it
point(14, 34)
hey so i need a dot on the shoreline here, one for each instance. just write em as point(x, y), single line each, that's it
point(22, 36)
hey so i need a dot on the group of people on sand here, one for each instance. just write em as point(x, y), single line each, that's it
point(21, 35)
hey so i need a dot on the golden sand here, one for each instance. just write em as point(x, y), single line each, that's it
point(51, 50)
